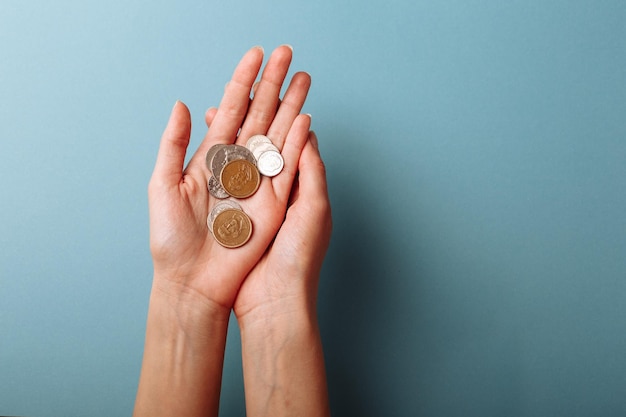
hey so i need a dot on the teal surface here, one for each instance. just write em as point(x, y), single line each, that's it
point(476, 153)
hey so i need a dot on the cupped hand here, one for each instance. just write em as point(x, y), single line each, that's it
point(187, 259)
point(285, 280)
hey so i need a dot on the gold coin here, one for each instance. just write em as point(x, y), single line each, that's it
point(240, 178)
point(220, 207)
point(232, 228)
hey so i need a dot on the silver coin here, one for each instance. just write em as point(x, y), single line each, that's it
point(263, 148)
point(270, 163)
point(222, 205)
point(257, 139)
point(227, 154)
point(211, 153)
point(219, 160)
point(216, 189)
point(241, 152)
point(229, 203)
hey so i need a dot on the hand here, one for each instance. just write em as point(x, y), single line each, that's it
point(283, 363)
point(290, 267)
point(285, 279)
point(282, 355)
point(187, 259)
point(195, 279)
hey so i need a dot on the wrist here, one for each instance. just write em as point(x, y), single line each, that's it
point(177, 305)
point(276, 298)
point(291, 312)
point(183, 355)
point(283, 363)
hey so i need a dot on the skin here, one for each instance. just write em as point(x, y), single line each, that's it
point(270, 282)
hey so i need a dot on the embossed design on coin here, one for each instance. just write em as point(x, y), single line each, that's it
point(229, 153)
point(216, 189)
point(232, 228)
point(256, 140)
point(219, 160)
point(264, 147)
point(240, 178)
point(219, 208)
point(270, 163)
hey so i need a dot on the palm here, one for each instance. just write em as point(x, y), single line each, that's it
point(216, 271)
point(181, 243)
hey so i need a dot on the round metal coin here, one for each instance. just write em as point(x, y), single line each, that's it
point(219, 208)
point(216, 189)
point(255, 140)
point(240, 178)
point(232, 228)
point(229, 153)
point(270, 163)
point(210, 154)
point(263, 147)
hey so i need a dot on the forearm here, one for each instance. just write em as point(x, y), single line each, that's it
point(183, 358)
point(283, 365)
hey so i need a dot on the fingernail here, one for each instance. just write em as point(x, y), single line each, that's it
point(288, 46)
point(259, 47)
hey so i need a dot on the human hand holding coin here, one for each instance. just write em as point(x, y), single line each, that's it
point(196, 279)
point(285, 279)
point(187, 258)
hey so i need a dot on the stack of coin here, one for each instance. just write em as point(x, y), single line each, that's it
point(228, 223)
point(269, 160)
point(234, 171)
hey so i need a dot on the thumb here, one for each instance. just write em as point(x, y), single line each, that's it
point(168, 169)
point(312, 178)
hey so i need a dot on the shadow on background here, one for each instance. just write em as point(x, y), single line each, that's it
point(411, 322)
point(360, 314)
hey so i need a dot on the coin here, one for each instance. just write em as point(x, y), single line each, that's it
point(229, 153)
point(219, 160)
point(232, 228)
point(240, 178)
point(255, 140)
point(219, 208)
point(211, 153)
point(270, 163)
point(263, 147)
point(216, 189)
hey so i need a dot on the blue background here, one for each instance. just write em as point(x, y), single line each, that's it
point(476, 153)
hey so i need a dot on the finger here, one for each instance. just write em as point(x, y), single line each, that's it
point(209, 116)
point(289, 108)
point(294, 143)
point(295, 191)
point(171, 156)
point(313, 203)
point(234, 105)
point(263, 106)
point(312, 172)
